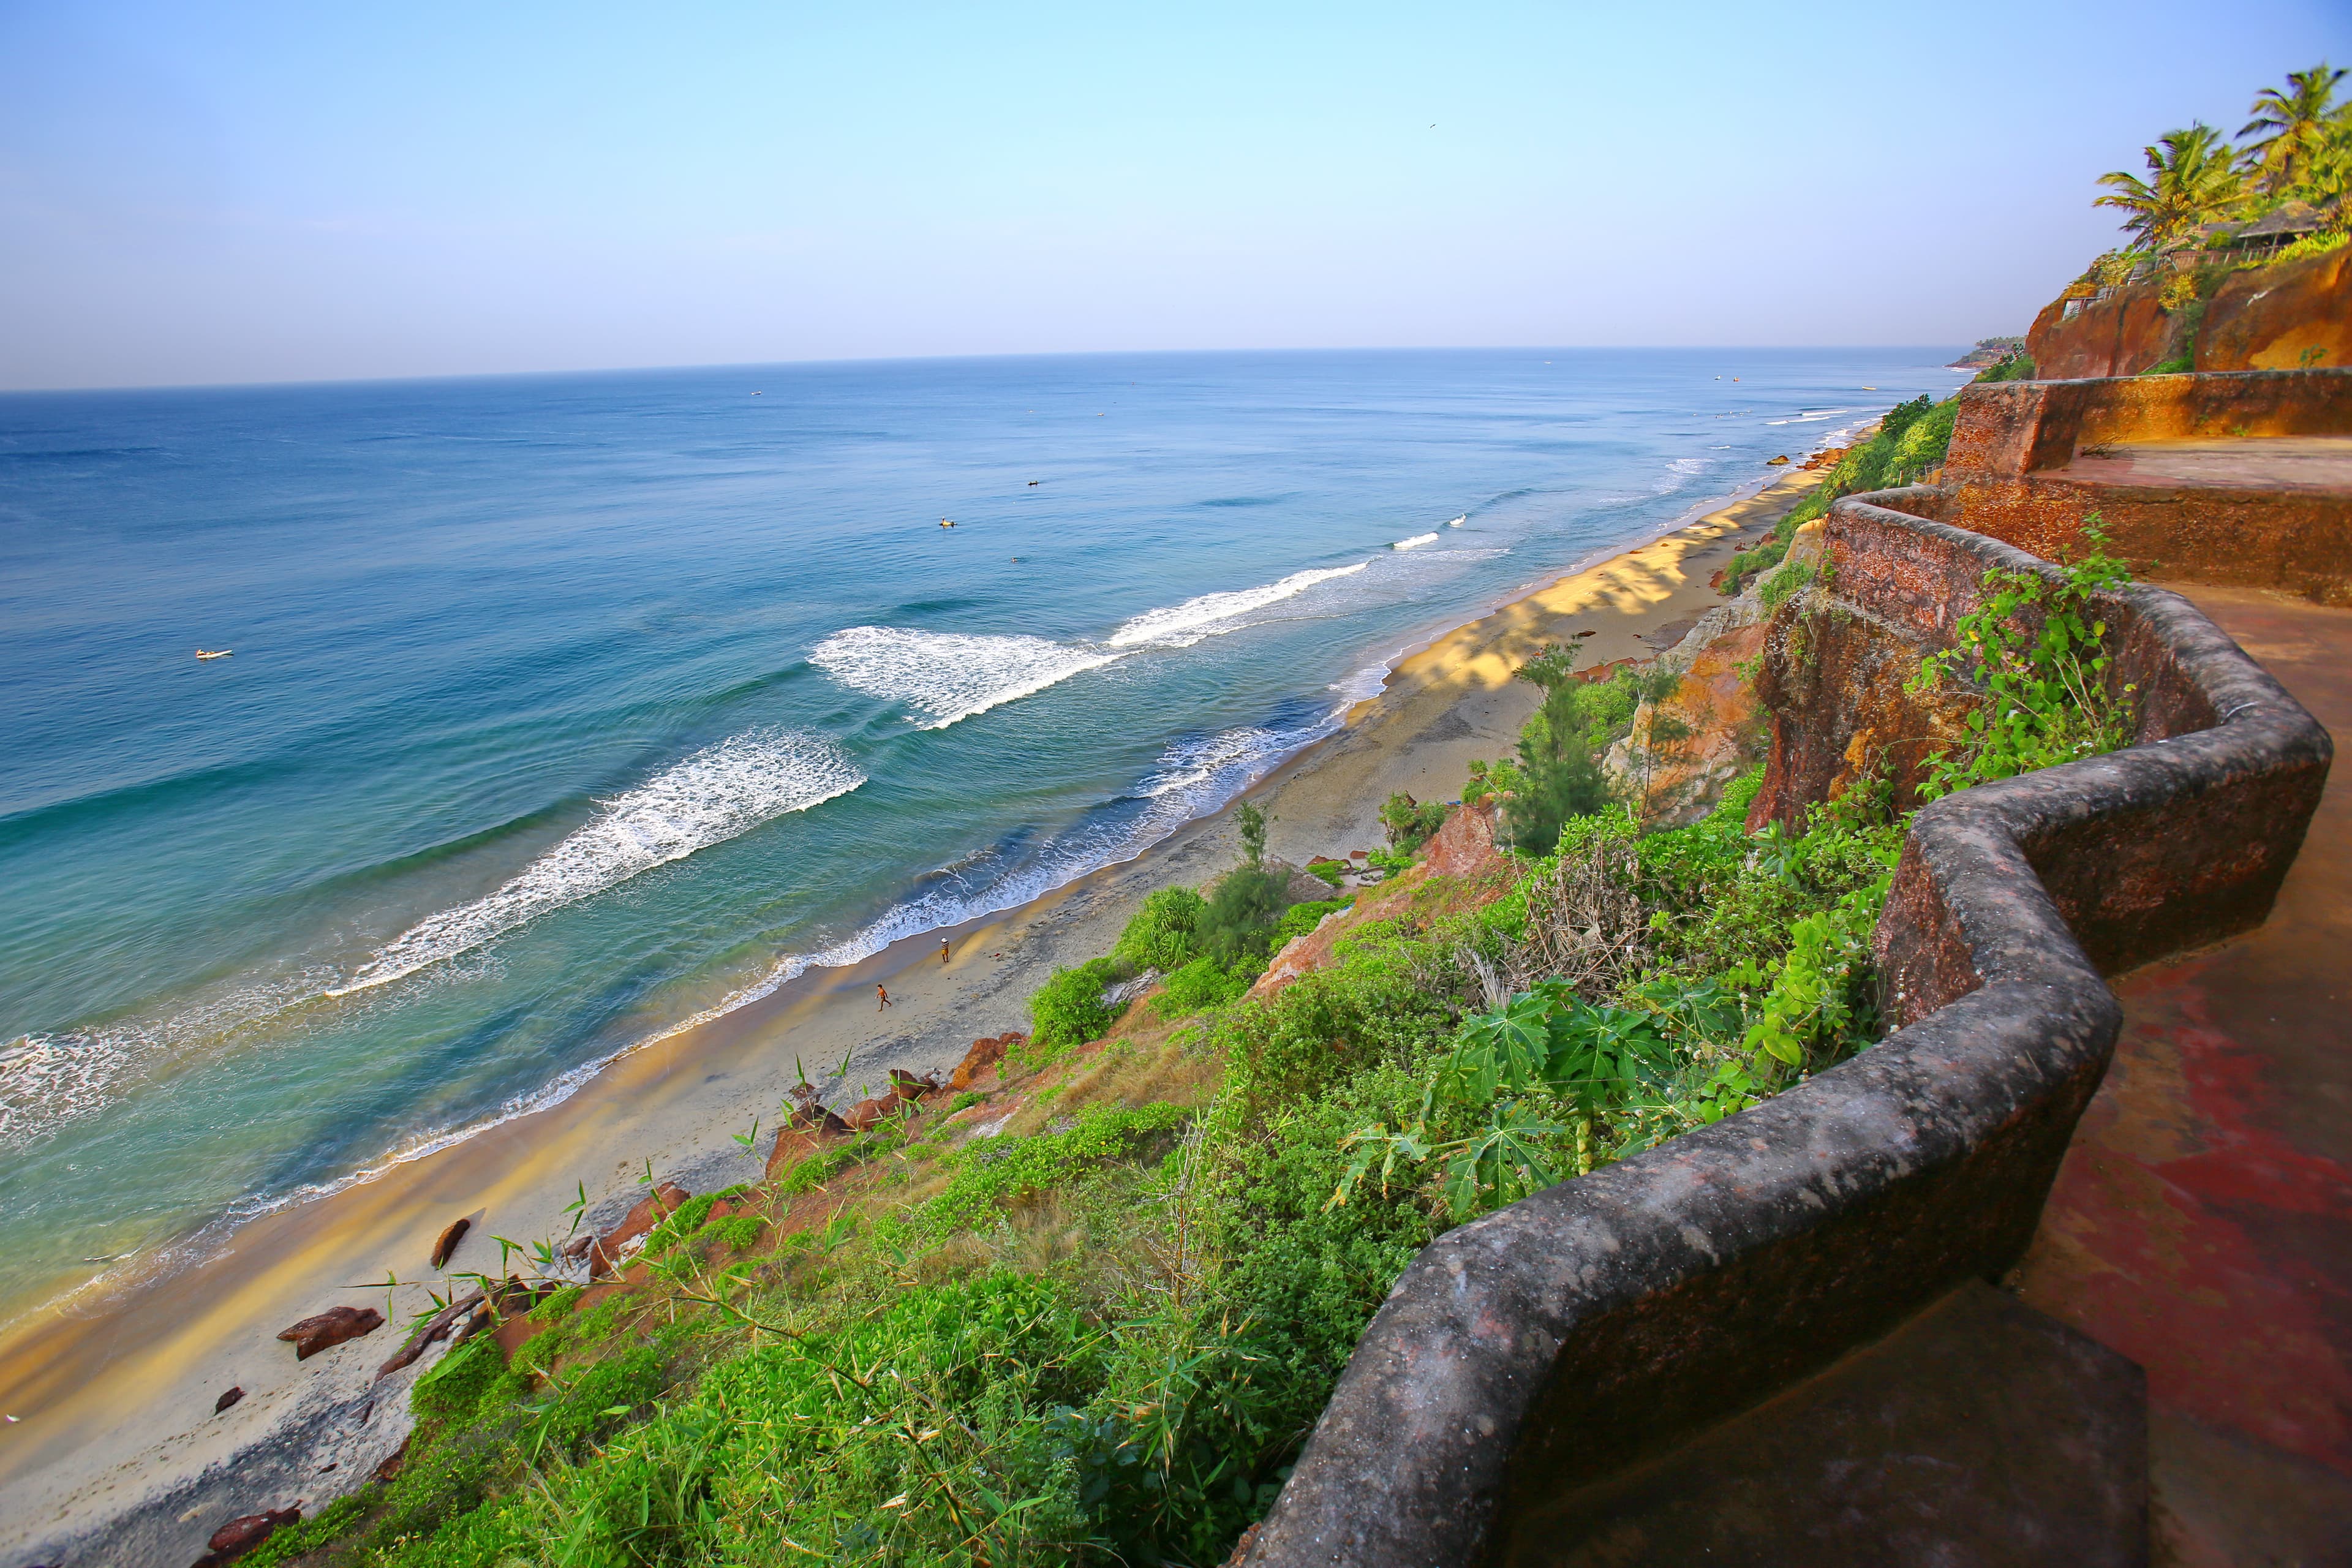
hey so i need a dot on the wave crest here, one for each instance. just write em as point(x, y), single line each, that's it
point(1181, 625)
point(949, 676)
point(713, 796)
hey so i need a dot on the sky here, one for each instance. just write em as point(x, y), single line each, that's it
point(232, 192)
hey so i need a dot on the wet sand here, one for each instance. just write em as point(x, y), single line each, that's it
point(116, 1455)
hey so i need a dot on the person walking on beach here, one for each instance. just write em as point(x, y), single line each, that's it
point(881, 997)
point(943, 950)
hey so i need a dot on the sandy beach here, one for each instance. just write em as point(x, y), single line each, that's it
point(113, 1397)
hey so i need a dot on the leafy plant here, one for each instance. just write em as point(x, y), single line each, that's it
point(1408, 823)
point(1164, 932)
point(2033, 656)
point(1069, 1009)
point(1204, 982)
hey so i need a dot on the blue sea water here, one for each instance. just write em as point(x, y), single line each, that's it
point(565, 708)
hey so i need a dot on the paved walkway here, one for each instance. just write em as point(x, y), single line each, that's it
point(2202, 1222)
point(2293, 465)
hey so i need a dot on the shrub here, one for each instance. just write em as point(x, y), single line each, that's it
point(1299, 919)
point(1163, 935)
point(1787, 581)
point(2018, 366)
point(1069, 1009)
point(1408, 823)
point(2035, 655)
point(1242, 910)
point(603, 1393)
point(456, 1386)
point(1200, 983)
point(1251, 824)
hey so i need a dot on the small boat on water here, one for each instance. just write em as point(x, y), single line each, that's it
point(216, 653)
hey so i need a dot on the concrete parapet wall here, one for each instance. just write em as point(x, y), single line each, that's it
point(1556, 1341)
point(2010, 428)
point(2012, 474)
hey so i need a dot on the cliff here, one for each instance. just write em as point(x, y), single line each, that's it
point(2287, 316)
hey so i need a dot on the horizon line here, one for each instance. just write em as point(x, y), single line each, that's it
point(788, 364)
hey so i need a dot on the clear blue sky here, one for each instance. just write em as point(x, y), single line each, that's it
point(238, 192)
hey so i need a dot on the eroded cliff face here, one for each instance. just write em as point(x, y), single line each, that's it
point(2288, 316)
point(2122, 334)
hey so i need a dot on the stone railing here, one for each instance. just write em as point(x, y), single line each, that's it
point(1553, 1342)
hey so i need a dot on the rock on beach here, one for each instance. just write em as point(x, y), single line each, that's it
point(330, 1328)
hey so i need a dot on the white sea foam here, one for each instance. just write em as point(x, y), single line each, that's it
point(948, 676)
point(1415, 543)
point(711, 796)
point(1459, 520)
point(1181, 625)
point(1191, 778)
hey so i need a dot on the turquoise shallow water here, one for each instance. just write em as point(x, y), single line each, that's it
point(565, 708)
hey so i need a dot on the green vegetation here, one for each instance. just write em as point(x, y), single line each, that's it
point(2197, 189)
point(2034, 655)
point(1069, 1009)
point(1165, 933)
point(1101, 1334)
point(1909, 446)
point(1408, 823)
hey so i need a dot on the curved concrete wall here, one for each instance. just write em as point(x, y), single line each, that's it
point(1560, 1339)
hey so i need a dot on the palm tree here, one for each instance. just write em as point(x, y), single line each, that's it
point(2193, 179)
point(2292, 126)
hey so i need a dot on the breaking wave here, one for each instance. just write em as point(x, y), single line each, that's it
point(1181, 625)
point(711, 796)
point(948, 676)
point(1415, 543)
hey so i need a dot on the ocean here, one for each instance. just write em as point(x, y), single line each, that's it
point(563, 711)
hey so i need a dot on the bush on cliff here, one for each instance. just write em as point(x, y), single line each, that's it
point(1911, 441)
point(1161, 935)
point(1069, 1009)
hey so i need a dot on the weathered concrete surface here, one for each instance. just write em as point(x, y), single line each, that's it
point(2286, 316)
point(1836, 672)
point(1605, 1320)
point(1981, 1433)
point(2202, 1221)
point(2237, 480)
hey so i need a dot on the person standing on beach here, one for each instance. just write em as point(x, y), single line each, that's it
point(943, 950)
point(881, 997)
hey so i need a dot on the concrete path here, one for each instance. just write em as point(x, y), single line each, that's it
point(2202, 1222)
point(2291, 465)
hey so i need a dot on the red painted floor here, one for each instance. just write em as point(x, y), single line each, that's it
point(2202, 1222)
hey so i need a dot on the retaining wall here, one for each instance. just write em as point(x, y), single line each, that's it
point(1558, 1339)
point(2008, 475)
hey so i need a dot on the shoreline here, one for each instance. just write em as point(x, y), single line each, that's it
point(115, 1394)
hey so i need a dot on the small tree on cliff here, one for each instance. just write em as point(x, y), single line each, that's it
point(1562, 779)
point(2193, 179)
